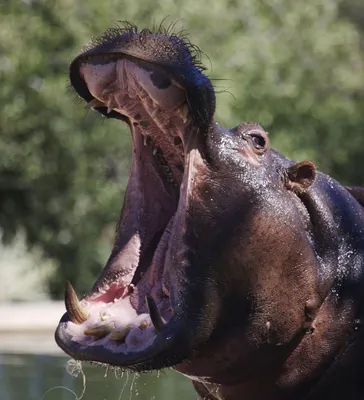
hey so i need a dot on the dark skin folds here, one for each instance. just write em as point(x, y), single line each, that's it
point(258, 259)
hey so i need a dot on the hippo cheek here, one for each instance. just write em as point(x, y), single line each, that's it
point(135, 315)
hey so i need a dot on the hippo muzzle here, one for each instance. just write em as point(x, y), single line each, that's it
point(231, 262)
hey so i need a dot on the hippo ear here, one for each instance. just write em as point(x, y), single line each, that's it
point(300, 176)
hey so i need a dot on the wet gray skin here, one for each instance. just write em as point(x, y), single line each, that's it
point(232, 264)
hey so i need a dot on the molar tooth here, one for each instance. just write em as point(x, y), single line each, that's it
point(155, 317)
point(120, 334)
point(184, 112)
point(75, 310)
point(99, 332)
point(143, 325)
point(94, 103)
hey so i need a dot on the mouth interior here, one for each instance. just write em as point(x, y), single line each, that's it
point(117, 315)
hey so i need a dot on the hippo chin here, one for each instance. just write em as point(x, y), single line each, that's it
point(232, 264)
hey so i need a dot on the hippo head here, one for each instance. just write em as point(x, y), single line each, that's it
point(213, 270)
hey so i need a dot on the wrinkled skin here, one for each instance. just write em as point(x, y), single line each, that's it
point(232, 264)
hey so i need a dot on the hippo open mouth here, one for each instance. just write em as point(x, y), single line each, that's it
point(130, 314)
point(235, 265)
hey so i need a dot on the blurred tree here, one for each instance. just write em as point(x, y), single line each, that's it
point(353, 10)
point(61, 172)
point(296, 67)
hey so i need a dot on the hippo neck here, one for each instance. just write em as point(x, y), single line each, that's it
point(342, 379)
point(339, 378)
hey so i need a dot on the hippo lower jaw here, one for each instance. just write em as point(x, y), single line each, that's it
point(131, 318)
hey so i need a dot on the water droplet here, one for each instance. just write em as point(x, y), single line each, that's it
point(74, 367)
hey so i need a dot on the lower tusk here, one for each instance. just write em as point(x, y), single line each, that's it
point(76, 312)
point(155, 317)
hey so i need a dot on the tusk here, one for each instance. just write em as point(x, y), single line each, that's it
point(99, 331)
point(184, 112)
point(120, 334)
point(155, 317)
point(107, 91)
point(111, 105)
point(75, 310)
point(94, 103)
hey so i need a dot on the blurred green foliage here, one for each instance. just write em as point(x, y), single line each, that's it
point(297, 67)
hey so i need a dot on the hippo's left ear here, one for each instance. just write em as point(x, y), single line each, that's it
point(300, 177)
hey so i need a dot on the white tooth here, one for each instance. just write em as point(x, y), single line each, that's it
point(111, 104)
point(143, 325)
point(155, 151)
point(184, 112)
point(145, 140)
point(104, 317)
point(107, 91)
point(94, 103)
point(154, 113)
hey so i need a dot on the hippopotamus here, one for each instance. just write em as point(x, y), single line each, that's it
point(232, 264)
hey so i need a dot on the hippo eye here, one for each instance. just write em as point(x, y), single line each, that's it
point(258, 140)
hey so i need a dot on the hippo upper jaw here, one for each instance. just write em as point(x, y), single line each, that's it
point(133, 316)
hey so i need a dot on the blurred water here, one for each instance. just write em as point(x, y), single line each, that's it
point(32, 377)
